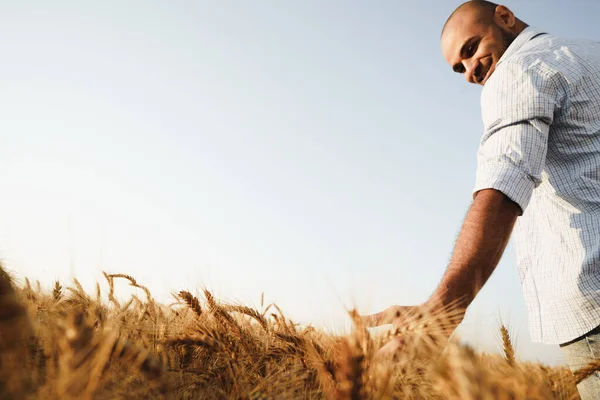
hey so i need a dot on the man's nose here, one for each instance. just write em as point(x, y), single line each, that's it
point(470, 70)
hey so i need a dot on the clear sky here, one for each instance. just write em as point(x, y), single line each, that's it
point(320, 152)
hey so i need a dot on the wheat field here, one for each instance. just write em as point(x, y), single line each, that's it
point(69, 344)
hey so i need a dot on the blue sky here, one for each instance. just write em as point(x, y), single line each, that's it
point(321, 152)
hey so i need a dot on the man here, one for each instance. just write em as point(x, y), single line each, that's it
point(538, 171)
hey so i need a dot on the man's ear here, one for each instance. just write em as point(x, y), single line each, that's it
point(504, 18)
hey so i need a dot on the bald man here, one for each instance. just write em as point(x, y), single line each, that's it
point(538, 172)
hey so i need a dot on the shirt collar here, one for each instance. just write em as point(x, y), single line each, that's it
point(525, 36)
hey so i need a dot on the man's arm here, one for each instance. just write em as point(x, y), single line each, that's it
point(479, 247)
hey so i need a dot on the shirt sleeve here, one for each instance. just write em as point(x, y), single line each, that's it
point(518, 106)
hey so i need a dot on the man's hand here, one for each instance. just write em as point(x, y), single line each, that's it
point(424, 317)
point(426, 323)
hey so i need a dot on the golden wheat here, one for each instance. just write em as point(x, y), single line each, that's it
point(66, 344)
point(507, 346)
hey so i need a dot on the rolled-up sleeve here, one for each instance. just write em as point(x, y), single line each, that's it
point(518, 106)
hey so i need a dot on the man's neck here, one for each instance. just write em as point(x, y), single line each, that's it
point(519, 27)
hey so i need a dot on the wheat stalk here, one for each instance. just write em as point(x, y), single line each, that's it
point(15, 331)
point(192, 302)
point(57, 291)
point(351, 372)
point(583, 373)
point(507, 346)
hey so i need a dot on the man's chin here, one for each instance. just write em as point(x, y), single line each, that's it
point(488, 75)
point(490, 70)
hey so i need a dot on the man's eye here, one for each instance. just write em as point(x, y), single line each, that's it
point(472, 48)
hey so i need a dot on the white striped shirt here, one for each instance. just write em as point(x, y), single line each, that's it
point(541, 148)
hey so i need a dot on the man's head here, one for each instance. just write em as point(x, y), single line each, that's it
point(476, 35)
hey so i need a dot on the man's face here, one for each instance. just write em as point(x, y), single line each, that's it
point(473, 46)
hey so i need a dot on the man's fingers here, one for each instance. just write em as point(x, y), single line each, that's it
point(373, 319)
point(383, 318)
point(388, 351)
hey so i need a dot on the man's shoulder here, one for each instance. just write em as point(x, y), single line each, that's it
point(518, 74)
point(550, 54)
point(520, 86)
